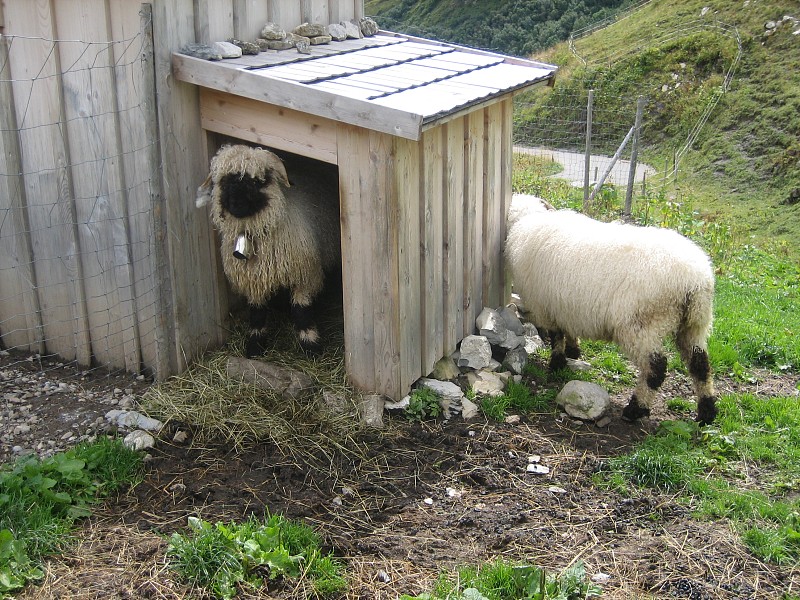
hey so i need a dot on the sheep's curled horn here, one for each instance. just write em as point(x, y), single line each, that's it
point(294, 233)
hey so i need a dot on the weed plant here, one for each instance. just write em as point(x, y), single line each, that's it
point(221, 558)
point(40, 500)
point(503, 580)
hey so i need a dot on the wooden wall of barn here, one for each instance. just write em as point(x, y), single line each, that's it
point(433, 211)
point(104, 259)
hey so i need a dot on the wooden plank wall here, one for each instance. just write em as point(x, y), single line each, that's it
point(80, 275)
point(423, 225)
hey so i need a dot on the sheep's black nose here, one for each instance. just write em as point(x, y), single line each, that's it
point(241, 195)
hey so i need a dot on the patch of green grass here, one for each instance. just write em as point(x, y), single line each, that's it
point(221, 558)
point(423, 404)
point(40, 499)
point(705, 466)
point(501, 580)
point(517, 397)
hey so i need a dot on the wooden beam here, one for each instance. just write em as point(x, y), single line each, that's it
point(268, 125)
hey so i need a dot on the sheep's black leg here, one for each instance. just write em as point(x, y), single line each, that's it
point(304, 319)
point(634, 410)
point(700, 370)
point(572, 349)
point(258, 333)
point(650, 379)
point(558, 359)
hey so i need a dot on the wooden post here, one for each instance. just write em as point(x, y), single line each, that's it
point(587, 164)
point(634, 154)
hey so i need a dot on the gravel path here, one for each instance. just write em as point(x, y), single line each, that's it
point(47, 407)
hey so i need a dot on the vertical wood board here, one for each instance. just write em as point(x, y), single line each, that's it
point(35, 71)
point(357, 270)
point(454, 235)
point(89, 111)
point(431, 225)
point(197, 299)
point(473, 222)
point(20, 315)
point(407, 186)
point(383, 259)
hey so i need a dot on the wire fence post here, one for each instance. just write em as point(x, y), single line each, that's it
point(587, 164)
point(634, 155)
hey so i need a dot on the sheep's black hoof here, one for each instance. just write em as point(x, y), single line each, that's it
point(572, 351)
point(706, 410)
point(558, 362)
point(255, 346)
point(634, 412)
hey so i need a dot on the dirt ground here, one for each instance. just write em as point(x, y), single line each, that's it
point(414, 500)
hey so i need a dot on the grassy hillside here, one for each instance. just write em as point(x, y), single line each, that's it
point(744, 165)
point(516, 27)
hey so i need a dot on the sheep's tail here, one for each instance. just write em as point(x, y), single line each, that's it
point(697, 319)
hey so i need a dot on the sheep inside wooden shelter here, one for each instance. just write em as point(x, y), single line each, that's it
point(275, 235)
point(581, 278)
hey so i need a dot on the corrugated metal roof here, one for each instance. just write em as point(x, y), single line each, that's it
point(387, 82)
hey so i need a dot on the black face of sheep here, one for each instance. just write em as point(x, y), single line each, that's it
point(275, 237)
point(580, 278)
point(242, 195)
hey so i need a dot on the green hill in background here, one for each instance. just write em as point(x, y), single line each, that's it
point(722, 75)
point(517, 27)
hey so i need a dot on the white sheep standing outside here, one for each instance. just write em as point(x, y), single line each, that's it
point(581, 278)
point(293, 237)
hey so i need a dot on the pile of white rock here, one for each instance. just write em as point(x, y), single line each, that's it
point(486, 361)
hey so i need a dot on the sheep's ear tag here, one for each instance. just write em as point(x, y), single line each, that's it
point(203, 193)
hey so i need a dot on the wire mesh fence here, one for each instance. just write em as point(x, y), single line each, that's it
point(79, 269)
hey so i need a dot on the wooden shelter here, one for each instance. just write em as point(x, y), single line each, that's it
point(420, 132)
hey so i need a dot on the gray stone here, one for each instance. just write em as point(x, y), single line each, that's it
point(309, 30)
point(516, 360)
point(512, 341)
point(335, 404)
point(399, 405)
point(352, 29)
point(319, 40)
point(203, 51)
point(368, 26)
point(131, 419)
point(468, 409)
point(370, 409)
point(486, 383)
point(139, 440)
point(445, 369)
point(447, 390)
point(270, 377)
point(475, 353)
point(282, 44)
point(273, 31)
point(533, 343)
point(491, 325)
point(337, 31)
point(227, 50)
point(303, 45)
point(578, 365)
point(250, 48)
point(263, 44)
point(511, 319)
point(584, 400)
